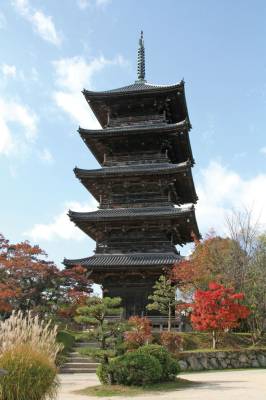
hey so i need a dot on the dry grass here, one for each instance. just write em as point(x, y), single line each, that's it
point(27, 329)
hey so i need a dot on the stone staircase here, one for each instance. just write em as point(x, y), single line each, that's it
point(77, 363)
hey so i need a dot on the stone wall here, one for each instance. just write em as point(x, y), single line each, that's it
point(198, 361)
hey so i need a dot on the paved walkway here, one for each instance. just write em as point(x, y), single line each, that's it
point(224, 385)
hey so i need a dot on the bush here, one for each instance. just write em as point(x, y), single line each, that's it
point(103, 372)
point(172, 341)
point(66, 339)
point(170, 367)
point(140, 332)
point(133, 369)
point(31, 375)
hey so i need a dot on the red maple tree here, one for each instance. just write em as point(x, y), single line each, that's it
point(217, 309)
point(140, 332)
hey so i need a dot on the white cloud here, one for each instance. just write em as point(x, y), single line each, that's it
point(220, 189)
point(72, 74)
point(263, 150)
point(26, 126)
point(46, 156)
point(83, 4)
point(42, 24)
point(8, 71)
point(61, 227)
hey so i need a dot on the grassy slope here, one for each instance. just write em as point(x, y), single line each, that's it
point(203, 341)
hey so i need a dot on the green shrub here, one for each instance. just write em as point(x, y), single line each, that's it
point(170, 367)
point(66, 339)
point(134, 369)
point(31, 375)
point(103, 372)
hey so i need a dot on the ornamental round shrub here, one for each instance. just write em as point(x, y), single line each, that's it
point(31, 375)
point(170, 367)
point(135, 369)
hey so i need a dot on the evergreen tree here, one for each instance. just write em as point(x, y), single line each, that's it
point(163, 298)
point(105, 331)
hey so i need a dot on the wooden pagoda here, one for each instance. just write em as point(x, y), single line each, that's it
point(144, 187)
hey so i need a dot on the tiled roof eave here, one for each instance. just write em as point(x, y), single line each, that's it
point(164, 127)
point(140, 259)
point(134, 89)
point(128, 213)
point(133, 170)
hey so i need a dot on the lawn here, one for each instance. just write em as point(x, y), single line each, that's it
point(127, 391)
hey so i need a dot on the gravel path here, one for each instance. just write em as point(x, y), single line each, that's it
point(222, 385)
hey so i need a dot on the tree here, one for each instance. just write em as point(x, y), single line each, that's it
point(163, 298)
point(217, 309)
point(29, 281)
point(213, 258)
point(95, 315)
point(255, 288)
point(140, 332)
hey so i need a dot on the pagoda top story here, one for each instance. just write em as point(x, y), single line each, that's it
point(120, 101)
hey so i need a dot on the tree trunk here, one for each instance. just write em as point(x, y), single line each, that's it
point(169, 318)
point(214, 340)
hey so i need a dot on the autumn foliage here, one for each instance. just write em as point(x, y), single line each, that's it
point(210, 260)
point(29, 281)
point(171, 341)
point(140, 332)
point(217, 309)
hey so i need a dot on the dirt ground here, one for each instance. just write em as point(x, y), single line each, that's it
point(222, 385)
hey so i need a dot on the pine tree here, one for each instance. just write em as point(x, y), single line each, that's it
point(94, 314)
point(163, 298)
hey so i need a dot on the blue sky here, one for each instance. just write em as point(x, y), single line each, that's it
point(51, 49)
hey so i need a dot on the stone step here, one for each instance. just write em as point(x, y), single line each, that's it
point(86, 344)
point(77, 370)
point(80, 365)
point(80, 359)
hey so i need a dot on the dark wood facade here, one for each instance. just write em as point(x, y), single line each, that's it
point(145, 187)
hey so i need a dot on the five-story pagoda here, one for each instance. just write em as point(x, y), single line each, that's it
point(145, 187)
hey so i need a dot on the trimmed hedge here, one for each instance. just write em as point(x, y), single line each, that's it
point(170, 366)
point(131, 369)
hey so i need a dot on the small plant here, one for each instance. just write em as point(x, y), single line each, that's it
point(27, 329)
point(140, 332)
point(31, 374)
point(170, 367)
point(133, 369)
point(172, 341)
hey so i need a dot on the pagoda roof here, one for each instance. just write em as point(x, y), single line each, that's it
point(128, 213)
point(119, 260)
point(97, 139)
point(137, 129)
point(93, 223)
point(103, 101)
point(135, 88)
point(141, 169)
point(186, 188)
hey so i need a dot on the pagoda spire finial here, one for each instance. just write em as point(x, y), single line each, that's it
point(141, 59)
